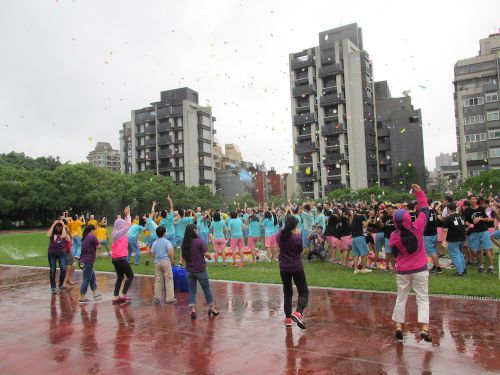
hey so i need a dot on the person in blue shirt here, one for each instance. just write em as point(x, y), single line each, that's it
point(320, 220)
point(164, 258)
point(202, 221)
point(269, 235)
point(167, 221)
point(133, 234)
point(246, 223)
point(307, 222)
point(218, 238)
point(235, 226)
point(253, 234)
point(151, 226)
point(183, 220)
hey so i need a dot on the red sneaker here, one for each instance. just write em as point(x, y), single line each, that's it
point(235, 264)
point(288, 322)
point(297, 317)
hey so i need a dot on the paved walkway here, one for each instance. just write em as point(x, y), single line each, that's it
point(347, 332)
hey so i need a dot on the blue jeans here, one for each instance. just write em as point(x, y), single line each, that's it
point(134, 248)
point(430, 243)
point(379, 241)
point(359, 247)
point(305, 234)
point(88, 278)
point(193, 279)
point(62, 265)
point(455, 251)
point(76, 248)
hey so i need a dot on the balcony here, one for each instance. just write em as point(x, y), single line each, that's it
point(306, 118)
point(305, 147)
point(333, 129)
point(337, 158)
point(382, 146)
point(164, 112)
point(167, 153)
point(165, 126)
point(151, 155)
point(164, 140)
point(301, 62)
point(330, 99)
point(143, 117)
point(327, 57)
point(151, 129)
point(304, 136)
point(304, 177)
point(330, 70)
point(303, 90)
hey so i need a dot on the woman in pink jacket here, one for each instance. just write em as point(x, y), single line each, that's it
point(407, 246)
point(119, 258)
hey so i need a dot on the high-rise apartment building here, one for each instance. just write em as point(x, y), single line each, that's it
point(477, 110)
point(399, 137)
point(443, 160)
point(104, 156)
point(126, 148)
point(172, 137)
point(333, 114)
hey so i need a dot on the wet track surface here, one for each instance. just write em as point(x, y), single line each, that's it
point(347, 332)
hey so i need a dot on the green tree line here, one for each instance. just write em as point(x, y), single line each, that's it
point(38, 190)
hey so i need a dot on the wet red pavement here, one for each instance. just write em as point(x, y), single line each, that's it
point(347, 332)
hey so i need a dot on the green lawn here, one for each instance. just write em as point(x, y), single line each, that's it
point(31, 249)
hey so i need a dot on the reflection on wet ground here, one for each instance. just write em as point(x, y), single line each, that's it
point(348, 332)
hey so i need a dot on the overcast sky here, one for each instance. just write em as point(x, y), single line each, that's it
point(71, 71)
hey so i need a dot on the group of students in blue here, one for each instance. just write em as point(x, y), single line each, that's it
point(408, 232)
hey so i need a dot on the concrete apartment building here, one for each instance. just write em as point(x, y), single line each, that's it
point(477, 110)
point(443, 160)
point(104, 156)
point(333, 114)
point(172, 137)
point(399, 135)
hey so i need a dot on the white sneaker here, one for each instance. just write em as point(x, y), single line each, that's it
point(366, 270)
point(356, 271)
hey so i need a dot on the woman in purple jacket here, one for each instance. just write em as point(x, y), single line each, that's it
point(407, 246)
point(290, 245)
point(194, 251)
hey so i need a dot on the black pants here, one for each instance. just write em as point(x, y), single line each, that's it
point(122, 267)
point(299, 278)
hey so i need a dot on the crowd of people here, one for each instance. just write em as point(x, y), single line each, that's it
point(395, 237)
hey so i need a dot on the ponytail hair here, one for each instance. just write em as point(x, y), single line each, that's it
point(290, 224)
point(88, 229)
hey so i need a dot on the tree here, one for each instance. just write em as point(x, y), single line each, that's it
point(406, 174)
point(488, 182)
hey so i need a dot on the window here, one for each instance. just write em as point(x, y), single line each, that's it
point(494, 134)
point(494, 152)
point(491, 97)
point(479, 137)
point(469, 102)
point(477, 155)
point(471, 120)
point(492, 116)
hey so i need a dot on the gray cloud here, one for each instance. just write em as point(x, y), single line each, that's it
point(71, 71)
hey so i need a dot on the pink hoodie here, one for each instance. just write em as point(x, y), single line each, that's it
point(407, 242)
point(120, 240)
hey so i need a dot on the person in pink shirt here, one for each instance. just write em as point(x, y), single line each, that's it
point(407, 245)
point(119, 258)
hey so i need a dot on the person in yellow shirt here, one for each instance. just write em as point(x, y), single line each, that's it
point(136, 220)
point(92, 221)
point(75, 227)
point(101, 234)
